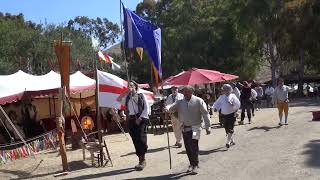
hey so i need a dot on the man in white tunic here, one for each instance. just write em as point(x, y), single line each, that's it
point(228, 103)
point(176, 124)
point(191, 111)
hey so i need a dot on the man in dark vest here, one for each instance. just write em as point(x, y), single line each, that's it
point(245, 99)
point(137, 110)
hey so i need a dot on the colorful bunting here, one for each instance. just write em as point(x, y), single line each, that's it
point(44, 142)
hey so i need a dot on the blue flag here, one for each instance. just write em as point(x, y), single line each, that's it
point(141, 33)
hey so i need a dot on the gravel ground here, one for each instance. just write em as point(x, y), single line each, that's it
point(263, 150)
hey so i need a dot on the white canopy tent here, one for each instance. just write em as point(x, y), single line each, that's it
point(14, 86)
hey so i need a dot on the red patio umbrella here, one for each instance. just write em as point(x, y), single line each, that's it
point(199, 76)
point(145, 85)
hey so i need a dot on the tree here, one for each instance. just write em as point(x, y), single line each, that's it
point(29, 46)
point(103, 30)
point(201, 34)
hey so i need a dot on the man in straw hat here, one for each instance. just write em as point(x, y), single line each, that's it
point(228, 103)
point(176, 124)
point(192, 110)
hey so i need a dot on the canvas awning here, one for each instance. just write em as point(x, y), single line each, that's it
point(13, 87)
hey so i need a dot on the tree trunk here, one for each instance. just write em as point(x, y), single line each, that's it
point(301, 71)
point(272, 59)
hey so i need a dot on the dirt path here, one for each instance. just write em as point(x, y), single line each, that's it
point(263, 151)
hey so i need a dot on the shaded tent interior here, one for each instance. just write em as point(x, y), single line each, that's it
point(42, 92)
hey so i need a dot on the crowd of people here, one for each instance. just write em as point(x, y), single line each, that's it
point(190, 112)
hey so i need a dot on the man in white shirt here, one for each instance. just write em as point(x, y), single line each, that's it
point(137, 107)
point(192, 110)
point(176, 124)
point(259, 91)
point(281, 98)
point(236, 91)
point(269, 94)
point(228, 103)
point(253, 100)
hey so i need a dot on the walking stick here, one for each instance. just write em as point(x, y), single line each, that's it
point(167, 119)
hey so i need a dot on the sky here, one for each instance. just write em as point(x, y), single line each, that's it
point(61, 11)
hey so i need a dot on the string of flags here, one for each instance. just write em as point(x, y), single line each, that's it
point(104, 56)
point(43, 142)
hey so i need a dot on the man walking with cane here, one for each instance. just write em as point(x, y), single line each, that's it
point(176, 124)
point(191, 110)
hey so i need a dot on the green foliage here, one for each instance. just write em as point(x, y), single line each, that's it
point(236, 36)
point(102, 29)
point(202, 34)
point(29, 46)
point(226, 35)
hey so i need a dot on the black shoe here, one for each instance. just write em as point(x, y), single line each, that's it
point(285, 123)
point(228, 146)
point(189, 169)
point(280, 124)
point(178, 145)
point(194, 170)
point(249, 122)
point(141, 166)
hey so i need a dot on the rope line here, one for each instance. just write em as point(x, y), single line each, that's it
point(28, 140)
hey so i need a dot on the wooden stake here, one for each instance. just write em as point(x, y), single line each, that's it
point(61, 111)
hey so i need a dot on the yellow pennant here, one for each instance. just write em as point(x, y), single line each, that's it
point(140, 53)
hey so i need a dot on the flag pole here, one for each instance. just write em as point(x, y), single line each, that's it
point(167, 124)
point(166, 114)
point(123, 52)
point(98, 112)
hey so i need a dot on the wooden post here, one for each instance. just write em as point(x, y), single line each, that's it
point(98, 115)
point(62, 149)
point(60, 121)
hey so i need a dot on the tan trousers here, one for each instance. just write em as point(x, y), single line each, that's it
point(176, 126)
point(283, 107)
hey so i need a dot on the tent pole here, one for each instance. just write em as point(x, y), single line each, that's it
point(54, 106)
point(80, 102)
point(98, 113)
point(50, 106)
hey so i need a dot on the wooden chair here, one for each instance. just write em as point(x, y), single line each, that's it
point(95, 155)
point(155, 120)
